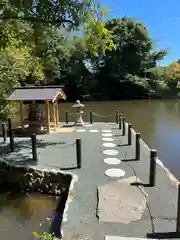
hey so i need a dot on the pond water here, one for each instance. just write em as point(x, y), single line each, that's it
point(23, 213)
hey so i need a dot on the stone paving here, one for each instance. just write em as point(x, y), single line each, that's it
point(84, 213)
point(104, 203)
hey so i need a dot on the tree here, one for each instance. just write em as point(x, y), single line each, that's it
point(17, 62)
point(45, 32)
point(172, 74)
point(156, 78)
point(61, 13)
point(132, 56)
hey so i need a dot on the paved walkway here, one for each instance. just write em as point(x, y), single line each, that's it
point(105, 206)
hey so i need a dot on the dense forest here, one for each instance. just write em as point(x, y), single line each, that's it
point(70, 43)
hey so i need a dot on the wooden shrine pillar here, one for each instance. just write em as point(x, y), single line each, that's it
point(21, 113)
point(54, 115)
point(47, 116)
point(57, 114)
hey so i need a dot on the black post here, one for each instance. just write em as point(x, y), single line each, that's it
point(137, 146)
point(120, 120)
point(9, 126)
point(90, 117)
point(67, 117)
point(129, 134)
point(178, 211)
point(11, 138)
point(152, 170)
point(117, 116)
point(123, 126)
point(11, 135)
point(78, 153)
point(34, 147)
point(4, 132)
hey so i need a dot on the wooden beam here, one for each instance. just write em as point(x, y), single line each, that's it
point(47, 116)
point(21, 113)
point(57, 114)
point(54, 116)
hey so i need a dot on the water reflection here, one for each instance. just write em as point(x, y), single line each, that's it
point(23, 213)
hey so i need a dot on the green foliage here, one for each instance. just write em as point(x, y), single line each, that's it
point(17, 63)
point(133, 61)
point(41, 41)
point(133, 44)
point(70, 13)
point(55, 42)
point(172, 72)
point(156, 73)
point(43, 236)
point(99, 39)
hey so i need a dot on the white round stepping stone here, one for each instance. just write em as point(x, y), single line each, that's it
point(93, 130)
point(107, 131)
point(107, 134)
point(88, 125)
point(109, 144)
point(115, 172)
point(112, 161)
point(111, 152)
point(80, 130)
point(108, 139)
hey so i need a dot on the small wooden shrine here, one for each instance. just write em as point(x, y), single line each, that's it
point(38, 115)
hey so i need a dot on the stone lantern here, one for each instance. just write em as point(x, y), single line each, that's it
point(79, 112)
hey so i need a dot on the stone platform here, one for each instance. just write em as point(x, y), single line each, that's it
point(104, 203)
point(102, 206)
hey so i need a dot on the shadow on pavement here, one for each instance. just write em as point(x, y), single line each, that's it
point(123, 145)
point(163, 235)
point(23, 151)
point(129, 160)
point(141, 184)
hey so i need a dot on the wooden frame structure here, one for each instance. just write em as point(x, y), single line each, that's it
point(48, 94)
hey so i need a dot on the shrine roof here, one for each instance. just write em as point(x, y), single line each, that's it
point(51, 93)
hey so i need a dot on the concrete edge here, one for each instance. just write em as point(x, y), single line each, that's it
point(69, 197)
point(43, 169)
point(160, 163)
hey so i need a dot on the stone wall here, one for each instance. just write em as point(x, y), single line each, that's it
point(32, 179)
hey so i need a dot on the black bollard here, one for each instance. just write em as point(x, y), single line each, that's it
point(117, 116)
point(67, 117)
point(178, 211)
point(78, 153)
point(123, 126)
point(120, 120)
point(90, 117)
point(152, 170)
point(34, 147)
point(4, 132)
point(9, 126)
point(11, 135)
point(11, 138)
point(137, 146)
point(129, 134)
